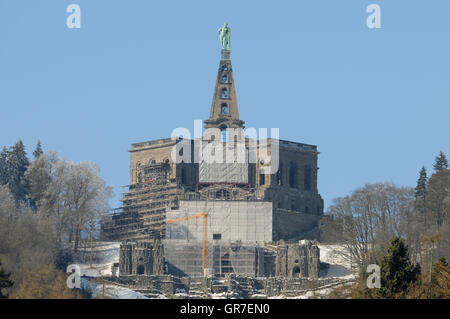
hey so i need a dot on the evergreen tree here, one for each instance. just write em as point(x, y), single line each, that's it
point(38, 151)
point(434, 284)
point(440, 280)
point(17, 164)
point(440, 162)
point(5, 282)
point(397, 272)
point(421, 188)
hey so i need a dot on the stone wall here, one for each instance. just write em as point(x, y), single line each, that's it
point(292, 225)
point(184, 258)
point(231, 286)
point(142, 257)
point(297, 260)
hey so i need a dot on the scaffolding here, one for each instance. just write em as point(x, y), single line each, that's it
point(142, 215)
point(236, 230)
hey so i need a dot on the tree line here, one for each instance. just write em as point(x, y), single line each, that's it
point(47, 206)
point(366, 221)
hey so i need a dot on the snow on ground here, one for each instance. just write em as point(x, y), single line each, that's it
point(110, 291)
point(339, 266)
point(104, 255)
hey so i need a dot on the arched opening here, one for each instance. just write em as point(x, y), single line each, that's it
point(224, 78)
point(140, 270)
point(224, 108)
point(296, 272)
point(278, 176)
point(223, 133)
point(224, 93)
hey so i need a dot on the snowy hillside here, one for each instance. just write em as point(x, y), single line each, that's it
point(99, 262)
point(339, 266)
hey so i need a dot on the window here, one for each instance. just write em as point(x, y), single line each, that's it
point(279, 175)
point(293, 175)
point(224, 78)
point(307, 178)
point(262, 177)
point(223, 133)
point(183, 176)
point(224, 108)
point(217, 236)
point(224, 94)
point(140, 270)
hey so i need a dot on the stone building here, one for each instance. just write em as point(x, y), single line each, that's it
point(158, 183)
point(141, 258)
point(251, 191)
point(182, 258)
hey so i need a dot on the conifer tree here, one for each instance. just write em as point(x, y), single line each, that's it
point(5, 282)
point(440, 280)
point(421, 188)
point(397, 272)
point(38, 151)
point(440, 162)
point(434, 284)
point(17, 164)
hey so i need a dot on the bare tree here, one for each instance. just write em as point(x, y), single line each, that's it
point(69, 195)
point(86, 197)
point(370, 217)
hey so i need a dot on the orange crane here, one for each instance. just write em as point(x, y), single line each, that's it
point(203, 215)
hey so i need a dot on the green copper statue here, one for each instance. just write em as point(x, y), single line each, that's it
point(224, 36)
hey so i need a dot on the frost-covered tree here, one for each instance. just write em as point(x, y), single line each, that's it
point(70, 194)
point(38, 151)
point(3, 166)
point(85, 196)
point(38, 178)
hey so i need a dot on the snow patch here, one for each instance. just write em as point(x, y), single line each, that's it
point(338, 265)
point(103, 255)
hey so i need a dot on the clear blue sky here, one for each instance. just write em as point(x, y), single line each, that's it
point(376, 102)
